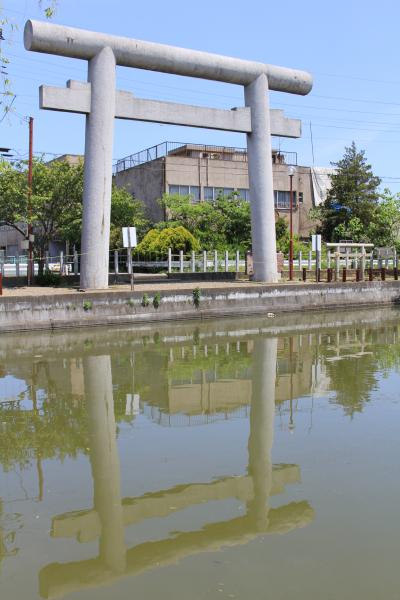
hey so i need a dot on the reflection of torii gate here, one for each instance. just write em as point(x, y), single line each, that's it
point(99, 100)
point(110, 515)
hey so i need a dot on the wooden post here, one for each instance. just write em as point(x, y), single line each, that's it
point(304, 273)
point(362, 265)
point(46, 261)
point(344, 274)
point(337, 266)
point(329, 274)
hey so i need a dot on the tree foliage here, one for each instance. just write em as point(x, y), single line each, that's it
point(220, 225)
point(352, 200)
point(56, 205)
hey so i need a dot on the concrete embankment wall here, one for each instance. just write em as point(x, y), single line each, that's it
point(111, 307)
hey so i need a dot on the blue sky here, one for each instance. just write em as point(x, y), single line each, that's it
point(351, 49)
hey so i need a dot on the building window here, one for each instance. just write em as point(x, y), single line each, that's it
point(243, 194)
point(195, 193)
point(186, 190)
point(282, 199)
point(209, 194)
point(174, 189)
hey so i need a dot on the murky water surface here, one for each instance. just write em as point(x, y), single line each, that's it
point(244, 459)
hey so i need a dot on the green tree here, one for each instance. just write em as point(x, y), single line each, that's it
point(384, 229)
point(13, 196)
point(353, 195)
point(55, 203)
point(220, 225)
point(200, 219)
point(56, 206)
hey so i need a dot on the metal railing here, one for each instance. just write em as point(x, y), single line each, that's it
point(205, 151)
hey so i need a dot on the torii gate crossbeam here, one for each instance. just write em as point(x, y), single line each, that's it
point(104, 52)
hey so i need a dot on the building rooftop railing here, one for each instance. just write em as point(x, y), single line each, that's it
point(204, 151)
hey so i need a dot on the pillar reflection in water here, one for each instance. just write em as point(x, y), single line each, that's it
point(104, 460)
point(262, 427)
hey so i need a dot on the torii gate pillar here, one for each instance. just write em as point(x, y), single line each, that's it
point(259, 153)
point(98, 171)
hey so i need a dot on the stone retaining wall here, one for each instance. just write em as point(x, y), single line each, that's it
point(112, 307)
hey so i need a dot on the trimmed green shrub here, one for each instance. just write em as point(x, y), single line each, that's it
point(176, 238)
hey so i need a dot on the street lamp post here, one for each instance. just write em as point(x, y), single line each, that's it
point(292, 171)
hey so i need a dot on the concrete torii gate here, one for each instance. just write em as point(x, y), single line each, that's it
point(100, 101)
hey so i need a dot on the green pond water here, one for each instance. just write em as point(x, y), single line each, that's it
point(248, 458)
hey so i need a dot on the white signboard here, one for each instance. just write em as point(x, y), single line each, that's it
point(316, 243)
point(129, 237)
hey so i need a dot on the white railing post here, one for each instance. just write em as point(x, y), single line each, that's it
point(300, 260)
point(193, 261)
point(215, 261)
point(204, 261)
point(309, 260)
point(61, 262)
point(17, 264)
point(237, 261)
point(169, 260)
point(226, 261)
point(328, 259)
point(337, 266)
point(116, 262)
point(46, 261)
point(181, 261)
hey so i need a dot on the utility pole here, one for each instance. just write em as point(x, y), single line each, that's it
point(292, 171)
point(30, 236)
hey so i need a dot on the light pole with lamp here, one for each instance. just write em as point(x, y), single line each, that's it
point(292, 171)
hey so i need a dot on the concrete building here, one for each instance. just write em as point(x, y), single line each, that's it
point(204, 171)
